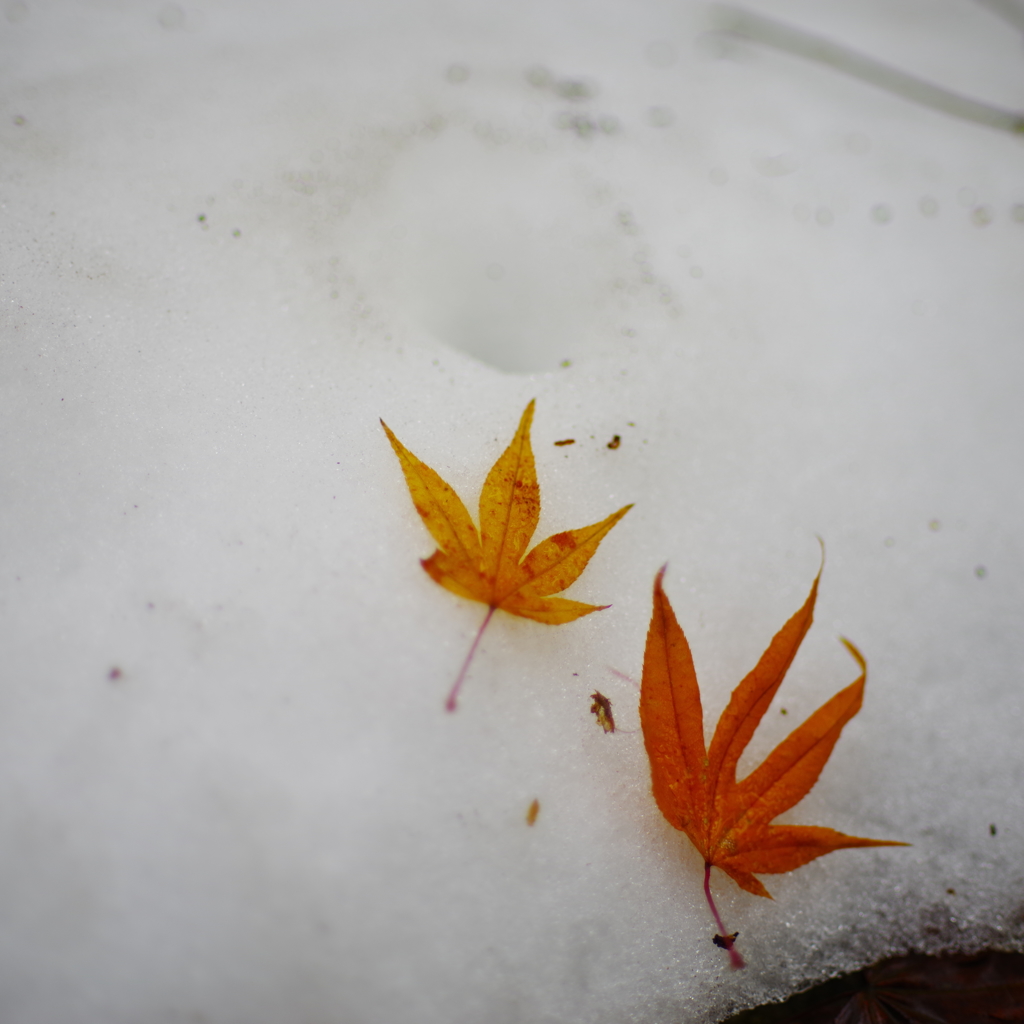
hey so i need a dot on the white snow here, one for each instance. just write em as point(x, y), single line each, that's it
point(233, 236)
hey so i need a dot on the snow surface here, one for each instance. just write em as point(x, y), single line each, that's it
point(234, 235)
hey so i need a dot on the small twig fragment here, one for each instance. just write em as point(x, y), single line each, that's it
point(602, 707)
point(531, 814)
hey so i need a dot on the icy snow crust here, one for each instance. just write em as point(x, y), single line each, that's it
point(234, 235)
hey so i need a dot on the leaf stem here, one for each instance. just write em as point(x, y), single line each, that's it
point(727, 941)
point(453, 697)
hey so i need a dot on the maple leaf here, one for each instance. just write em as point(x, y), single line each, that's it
point(695, 787)
point(488, 565)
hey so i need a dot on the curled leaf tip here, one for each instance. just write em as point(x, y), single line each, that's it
point(857, 656)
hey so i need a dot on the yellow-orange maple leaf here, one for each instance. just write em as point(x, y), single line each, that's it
point(487, 565)
point(729, 821)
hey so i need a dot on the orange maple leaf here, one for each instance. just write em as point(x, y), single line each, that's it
point(488, 565)
point(729, 821)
